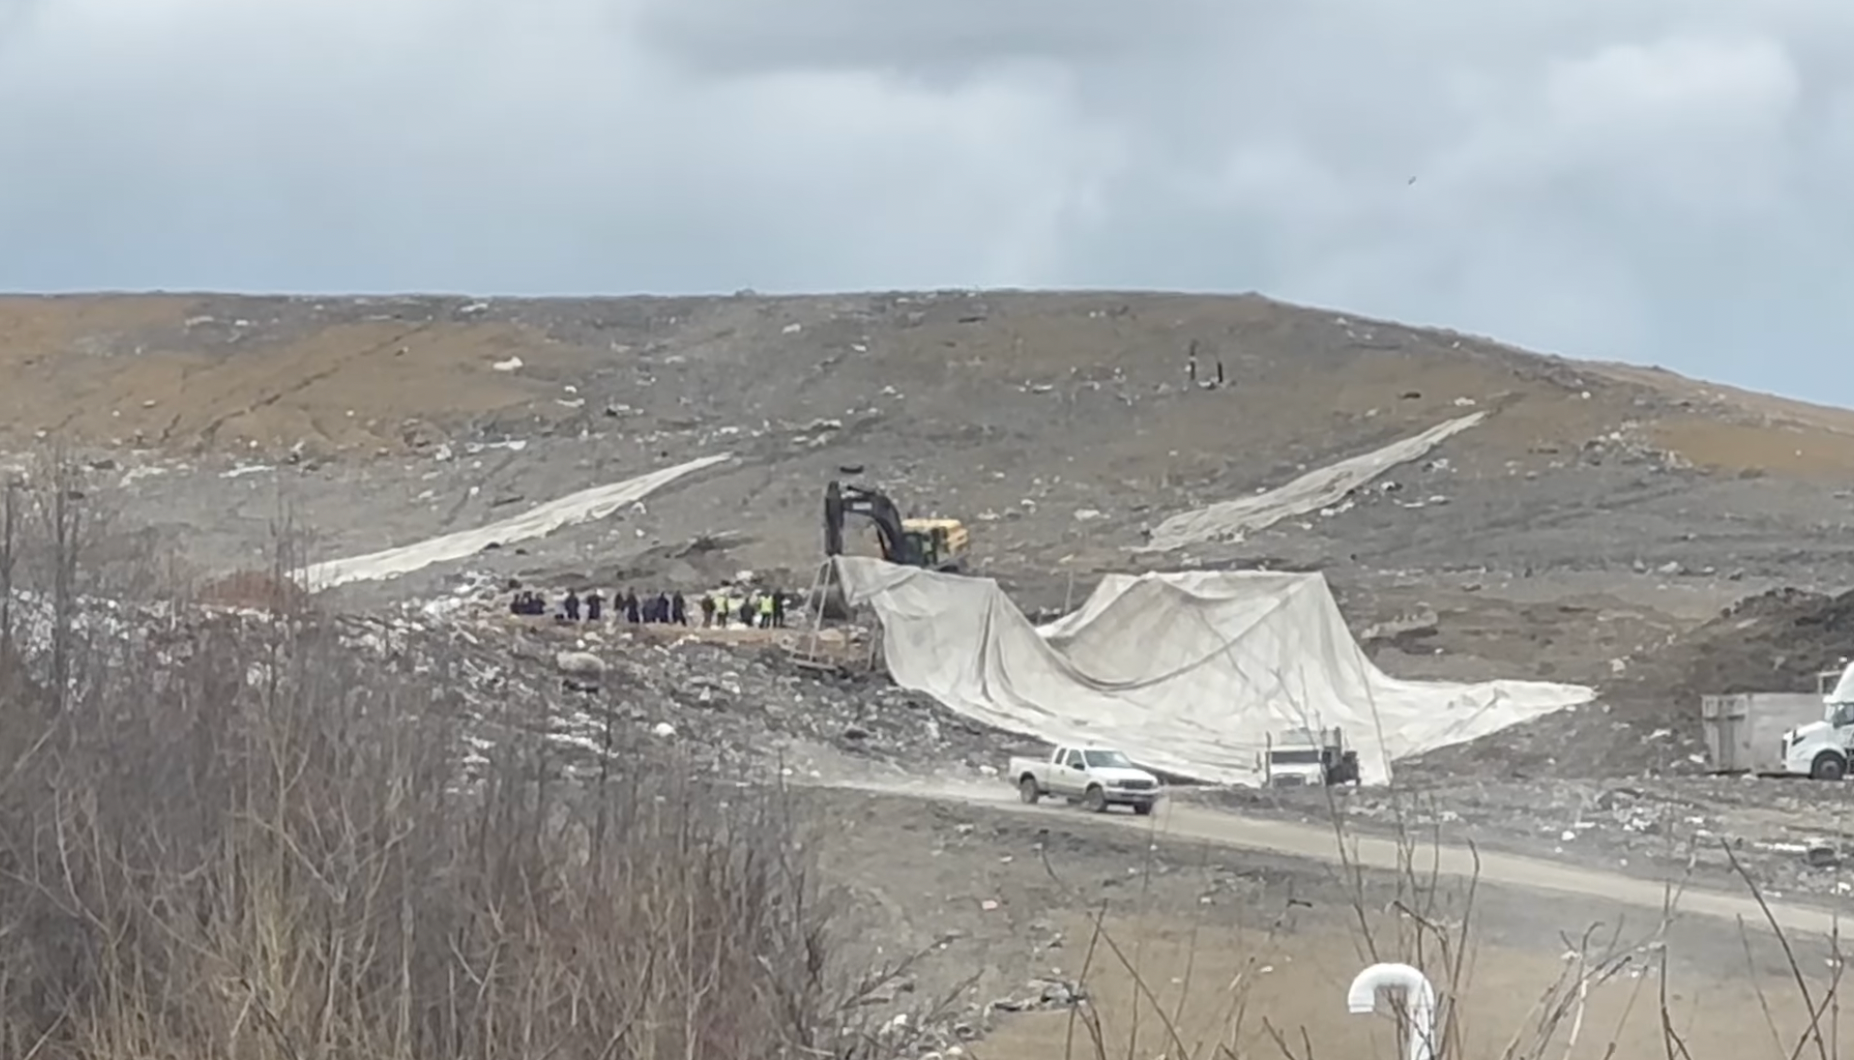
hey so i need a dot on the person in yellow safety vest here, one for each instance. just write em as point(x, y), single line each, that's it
point(720, 609)
point(766, 610)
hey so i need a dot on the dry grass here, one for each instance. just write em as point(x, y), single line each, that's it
point(232, 837)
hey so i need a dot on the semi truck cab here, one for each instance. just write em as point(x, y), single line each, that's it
point(1820, 750)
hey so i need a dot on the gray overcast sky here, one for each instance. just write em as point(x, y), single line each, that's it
point(1660, 181)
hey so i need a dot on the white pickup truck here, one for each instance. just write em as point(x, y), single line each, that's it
point(1096, 777)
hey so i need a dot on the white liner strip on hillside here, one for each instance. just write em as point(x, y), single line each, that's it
point(539, 521)
point(1187, 672)
point(1231, 520)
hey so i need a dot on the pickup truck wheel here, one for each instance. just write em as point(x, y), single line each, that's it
point(1028, 791)
point(1143, 809)
point(1828, 766)
point(1095, 800)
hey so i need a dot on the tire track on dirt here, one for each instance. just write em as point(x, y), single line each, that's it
point(280, 386)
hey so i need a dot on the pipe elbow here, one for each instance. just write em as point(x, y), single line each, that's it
point(1419, 999)
point(1361, 1000)
point(1363, 996)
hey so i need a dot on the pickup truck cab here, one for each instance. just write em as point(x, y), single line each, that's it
point(1096, 777)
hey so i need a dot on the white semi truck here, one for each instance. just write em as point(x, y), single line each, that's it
point(1821, 749)
point(1306, 757)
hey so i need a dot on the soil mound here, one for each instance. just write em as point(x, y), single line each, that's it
point(1647, 719)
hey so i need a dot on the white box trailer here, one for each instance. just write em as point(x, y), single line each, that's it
point(1744, 731)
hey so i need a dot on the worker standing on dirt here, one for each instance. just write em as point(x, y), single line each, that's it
point(663, 607)
point(778, 614)
point(721, 603)
point(679, 609)
point(571, 606)
point(595, 606)
point(630, 607)
point(708, 610)
point(766, 610)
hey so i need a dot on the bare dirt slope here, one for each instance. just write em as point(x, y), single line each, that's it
point(193, 371)
point(1597, 512)
point(978, 405)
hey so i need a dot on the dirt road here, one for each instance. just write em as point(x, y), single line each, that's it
point(1203, 825)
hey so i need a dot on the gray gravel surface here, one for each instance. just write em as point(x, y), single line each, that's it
point(1789, 838)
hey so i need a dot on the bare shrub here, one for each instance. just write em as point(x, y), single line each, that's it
point(1418, 914)
point(235, 836)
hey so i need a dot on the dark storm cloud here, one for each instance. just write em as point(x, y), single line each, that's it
point(1640, 179)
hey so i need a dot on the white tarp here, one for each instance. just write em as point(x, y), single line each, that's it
point(1185, 672)
point(1319, 488)
point(538, 521)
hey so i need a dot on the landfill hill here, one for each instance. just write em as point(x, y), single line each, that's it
point(354, 377)
point(1597, 511)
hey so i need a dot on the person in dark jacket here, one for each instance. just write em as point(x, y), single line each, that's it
point(778, 609)
point(571, 606)
point(679, 609)
point(595, 606)
point(663, 607)
point(708, 610)
point(630, 607)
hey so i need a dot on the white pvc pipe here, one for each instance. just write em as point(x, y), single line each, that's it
point(1419, 1002)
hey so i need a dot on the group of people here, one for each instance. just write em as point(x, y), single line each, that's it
point(720, 609)
point(759, 609)
point(658, 607)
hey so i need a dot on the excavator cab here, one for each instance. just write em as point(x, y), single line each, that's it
point(936, 544)
point(941, 544)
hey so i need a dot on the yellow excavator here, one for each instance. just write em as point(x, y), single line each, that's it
point(935, 544)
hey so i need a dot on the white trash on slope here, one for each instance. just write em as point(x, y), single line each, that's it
point(539, 521)
point(1187, 672)
point(1319, 488)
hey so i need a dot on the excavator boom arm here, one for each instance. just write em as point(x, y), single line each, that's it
point(842, 501)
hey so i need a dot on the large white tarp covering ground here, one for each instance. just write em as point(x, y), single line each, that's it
point(538, 521)
point(1323, 486)
point(1186, 672)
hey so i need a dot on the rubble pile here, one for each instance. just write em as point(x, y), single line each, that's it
point(1630, 447)
point(741, 711)
point(751, 703)
point(1646, 721)
point(1773, 642)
